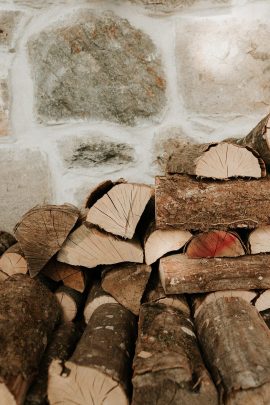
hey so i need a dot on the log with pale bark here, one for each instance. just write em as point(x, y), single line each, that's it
point(96, 297)
point(158, 242)
point(120, 210)
point(186, 203)
point(70, 301)
point(215, 244)
point(90, 247)
point(42, 231)
point(28, 314)
point(235, 341)
point(6, 240)
point(127, 283)
point(179, 274)
point(218, 160)
point(99, 370)
point(13, 261)
point(62, 344)
point(259, 240)
point(71, 276)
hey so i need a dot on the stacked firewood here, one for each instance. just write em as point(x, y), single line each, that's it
point(146, 295)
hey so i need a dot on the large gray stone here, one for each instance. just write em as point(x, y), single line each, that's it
point(223, 64)
point(8, 22)
point(4, 108)
point(99, 67)
point(25, 182)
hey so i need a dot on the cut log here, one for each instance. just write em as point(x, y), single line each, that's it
point(158, 242)
point(259, 240)
point(215, 244)
point(99, 371)
point(95, 299)
point(266, 317)
point(6, 240)
point(13, 261)
point(61, 347)
point(42, 231)
point(90, 247)
point(120, 210)
point(100, 190)
point(180, 274)
point(218, 160)
point(71, 276)
point(235, 342)
point(28, 315)
point(126, 283)
point(70, 301)
point(168, 368)
point(263, 301)
point(258, 139)
point(185, 203)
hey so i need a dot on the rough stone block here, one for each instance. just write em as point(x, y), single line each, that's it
point(8, 22)
point(174, 5)
point(25, 182)
point(4, 108)
point(96, 66)
point(224, 64)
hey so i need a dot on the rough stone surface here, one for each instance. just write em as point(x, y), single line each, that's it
point(224, 64)
point(97, 66)
point(87, 152)
point(174, 5)
point(4, 108)
point(8, 21)
point(25, 182)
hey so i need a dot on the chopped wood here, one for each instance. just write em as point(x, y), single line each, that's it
point(13, 261)
point(126, 283)
point(6, 240)
point(100, 190)
point(90, 247)
point(120, 210)
point(158, 242)
point(259, 240)
point(99, 371)
point(266, 317)
point(168, 368)
point(28, 315)
point(215, 244)
point(217, 160)
point(180, 274)
point(263, 301)
point(96, 297)
point(185, 203)
point(71, 276)
point(61, 347)
point(70, 301)
point(42, 231)
point(235, 342)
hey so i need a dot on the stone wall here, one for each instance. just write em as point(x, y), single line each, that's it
point(91, 90)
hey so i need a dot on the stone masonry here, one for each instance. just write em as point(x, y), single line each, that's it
point(98, 89)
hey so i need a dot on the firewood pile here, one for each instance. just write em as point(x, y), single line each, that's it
point(147, 295)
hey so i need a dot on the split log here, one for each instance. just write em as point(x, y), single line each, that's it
point(28, 315)
point(168, 368)
point(6, 240)
point(183, 202)
point(42, 231)
point(180, 274)
point(120, 210)
point(235, 342)
point(99, 371)
point(259, 240)
point(126, 283)
point(100, 190)
point(70, 301)
point(158, 242)
point(215, 244)
point(263, 301)
point(61, 347)
point(71, 276)
point(90, 247)
point(217, 160)
point(96, 297)
point(13, 261)
point(266, 317)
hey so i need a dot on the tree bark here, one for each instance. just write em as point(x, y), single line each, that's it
point(70, 301)
point(96, 297)
point(185, 203)
point(6, 240)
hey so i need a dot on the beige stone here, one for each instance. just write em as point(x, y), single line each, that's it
point(8, 23)
point(4, 108)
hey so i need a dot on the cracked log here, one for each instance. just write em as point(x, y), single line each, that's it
point(90, 247)
point(6, 240)
point(126, 283)
point(168, 368)
point(180, 274)
point(62, 344)
point(100, 190)
point(96, 297)
point(262, 303)
point(70, 301)
point(120, 210)
point(158, 242)
point(42, 231)
point(218, 160)
point(183, 202)
point(259, 240)
point(215, 244)
point(13, 261)
point(99, 371)
point(28, 315)
point(235, 341)
point(71, 276)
